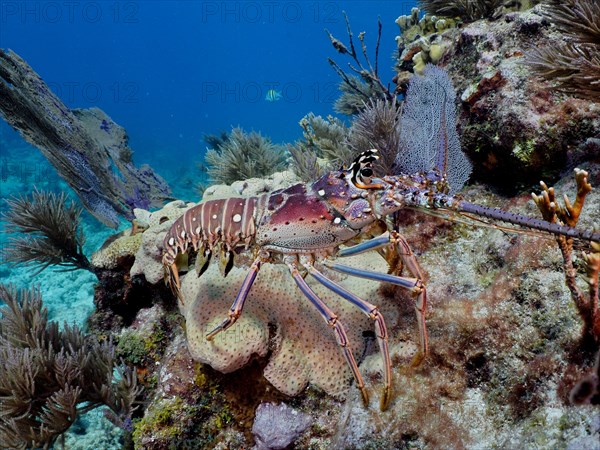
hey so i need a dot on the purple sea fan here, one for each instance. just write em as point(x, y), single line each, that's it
point(428, 127)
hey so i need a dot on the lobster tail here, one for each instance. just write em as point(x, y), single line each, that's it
point(216, 225)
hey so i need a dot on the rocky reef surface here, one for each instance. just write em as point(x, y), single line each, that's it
point(504, 339)
point(514, 127)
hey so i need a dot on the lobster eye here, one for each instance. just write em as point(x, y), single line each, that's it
point(366, 172)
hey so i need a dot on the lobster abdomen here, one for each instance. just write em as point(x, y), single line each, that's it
point(229, 222)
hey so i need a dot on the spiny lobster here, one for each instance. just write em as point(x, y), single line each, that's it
point(307, 225)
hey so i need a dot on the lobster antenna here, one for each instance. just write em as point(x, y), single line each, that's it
point(525, 221)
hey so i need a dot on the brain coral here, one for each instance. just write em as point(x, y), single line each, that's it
point(303, 348)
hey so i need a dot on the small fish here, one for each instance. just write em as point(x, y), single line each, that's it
point(273, 95)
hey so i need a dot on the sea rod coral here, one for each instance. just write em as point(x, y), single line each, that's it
point(574, 64)
point(241, 155)
point(49, 375)
point(50, 232)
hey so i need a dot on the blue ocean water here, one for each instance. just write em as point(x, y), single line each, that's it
point(171, 72)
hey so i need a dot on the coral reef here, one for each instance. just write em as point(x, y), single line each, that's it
point(88, 150)
point(422, 37)
point(52, 233)
point(505, 347)
point(514, 129)
point(243, 155)
point(504, 338)
point(505, 351)
point(574, 63)
point(49, 376)
point(407, 138)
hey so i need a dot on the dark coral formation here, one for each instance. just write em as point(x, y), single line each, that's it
point(50, 375)
point(51, 232)
point(587, 391)
point(88, 150)
point(364, 85)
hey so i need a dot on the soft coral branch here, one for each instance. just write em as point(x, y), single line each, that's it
point(587, 307)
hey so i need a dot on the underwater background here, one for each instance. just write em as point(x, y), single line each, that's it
point(171, 72)
point(507, 345)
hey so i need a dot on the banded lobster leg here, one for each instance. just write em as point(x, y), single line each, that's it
point(380, 329)
point(331, 320)
point(238, 304)
point(414, 284)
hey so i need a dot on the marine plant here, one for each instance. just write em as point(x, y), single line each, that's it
point(575, 63)
point(244, 155)
point(87, 149)
point(358, 89)
point(49, 376)
point(323, 145)
point(50, 232)
point(377, 126)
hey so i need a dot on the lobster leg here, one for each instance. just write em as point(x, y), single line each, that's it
point(380, 329)
point(332, 321)
point(371, 244)
point(415, 285)
point(236, 308)
point(172, 280)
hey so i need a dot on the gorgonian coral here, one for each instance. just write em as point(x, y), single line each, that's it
point(358, 89)
point(244, 155)
point(50, 233)
point(470, 10)
point(573, 64)
point(50, 375)
point(377, 126)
